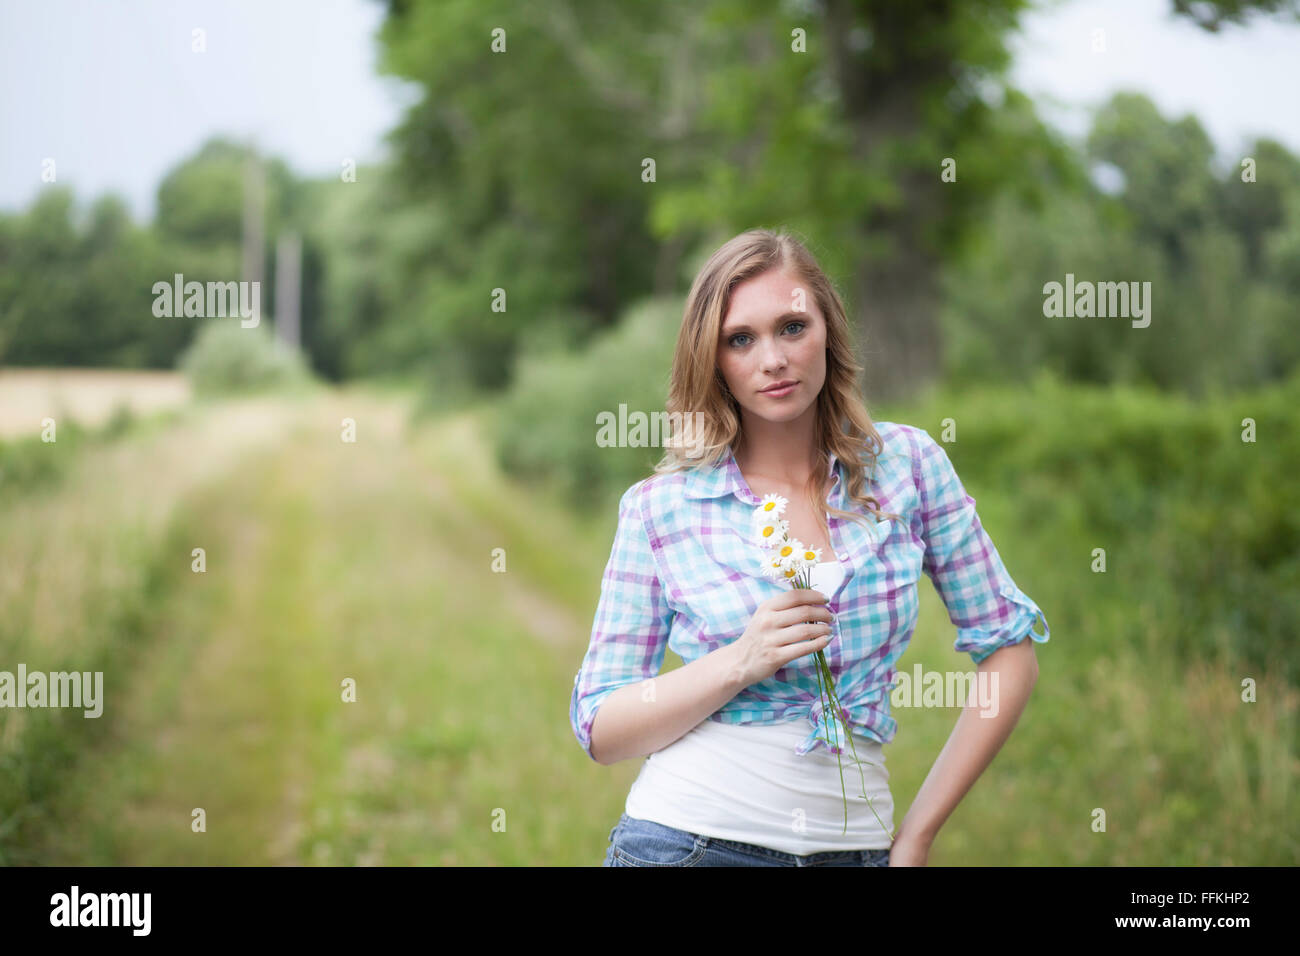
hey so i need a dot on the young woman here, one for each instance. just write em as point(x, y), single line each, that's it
point(743, 768)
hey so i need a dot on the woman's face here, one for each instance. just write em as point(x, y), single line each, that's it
point(773, 332)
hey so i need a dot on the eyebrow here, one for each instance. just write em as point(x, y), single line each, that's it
point(783, 317)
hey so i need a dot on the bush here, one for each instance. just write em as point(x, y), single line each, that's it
point(1200, 528)
point(227, 358)
point(547, 430)
point(28, 463)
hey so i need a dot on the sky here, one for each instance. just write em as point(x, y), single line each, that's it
point(115, 93)
point(1240, 83)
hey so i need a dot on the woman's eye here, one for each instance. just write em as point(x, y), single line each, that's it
point(744, 335)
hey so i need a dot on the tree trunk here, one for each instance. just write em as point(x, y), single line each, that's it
point(895, 305)
point(895, 297)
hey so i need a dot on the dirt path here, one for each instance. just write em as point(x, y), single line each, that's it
point(329, 563)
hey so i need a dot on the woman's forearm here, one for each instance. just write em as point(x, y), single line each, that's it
point(639, 719)
point(974, 742)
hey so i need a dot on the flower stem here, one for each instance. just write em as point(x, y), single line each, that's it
point(830, 702)
point(839, 711)
point(826, 703)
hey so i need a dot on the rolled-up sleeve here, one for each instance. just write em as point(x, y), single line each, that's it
point(984, 603)
point(632, 624)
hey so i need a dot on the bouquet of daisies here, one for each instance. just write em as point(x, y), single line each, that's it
point(786, 559)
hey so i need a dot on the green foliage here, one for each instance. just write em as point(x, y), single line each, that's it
point(514, 172)
point(517, 181)
point(201, 200)
point(1220, 254)
point(228, 358)
point(200, 219)
point(29, 463)
point(1212, 15)
point(1201, 529)
point(548, 421)
point(228, 681)
point(843, 141)
point(76, 286)
point(75, 289)
point(405, 294)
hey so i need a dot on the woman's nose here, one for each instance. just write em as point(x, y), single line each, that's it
point(773, 358)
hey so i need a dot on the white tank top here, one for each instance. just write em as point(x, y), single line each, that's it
point(745, 782)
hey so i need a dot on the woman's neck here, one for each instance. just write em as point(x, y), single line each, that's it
point(777, 465)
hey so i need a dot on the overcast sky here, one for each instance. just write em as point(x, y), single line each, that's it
point(114, 93)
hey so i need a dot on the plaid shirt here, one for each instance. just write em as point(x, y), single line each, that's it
point(683, 573)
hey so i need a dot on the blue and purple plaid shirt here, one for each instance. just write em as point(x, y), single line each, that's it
point(683, 573)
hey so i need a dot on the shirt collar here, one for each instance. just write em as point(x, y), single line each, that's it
point(724, 478)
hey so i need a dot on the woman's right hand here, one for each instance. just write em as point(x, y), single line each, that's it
point(780, 631)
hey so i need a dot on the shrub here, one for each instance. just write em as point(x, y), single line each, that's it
point(547, 430)
point(1200, 528)
point(227, 358)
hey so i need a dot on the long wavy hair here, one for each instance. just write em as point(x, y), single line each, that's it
point(699, 399)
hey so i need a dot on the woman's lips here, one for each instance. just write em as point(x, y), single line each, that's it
point(780, 392)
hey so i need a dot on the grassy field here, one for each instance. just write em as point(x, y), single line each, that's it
point(88, 396)
point(371, 562)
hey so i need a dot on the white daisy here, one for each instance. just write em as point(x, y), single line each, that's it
point(798, 561)
point(772, 567)
point(769, 531)
point(811, 556)
point(789, 573)
point(772, 506)
point(787, 552)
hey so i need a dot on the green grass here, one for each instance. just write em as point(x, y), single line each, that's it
point(373, 562)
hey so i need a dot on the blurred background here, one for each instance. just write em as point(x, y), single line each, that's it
point(472, 225)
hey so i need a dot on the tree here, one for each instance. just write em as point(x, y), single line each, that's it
point(835, 117)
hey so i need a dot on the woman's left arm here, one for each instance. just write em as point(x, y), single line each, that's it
point(996, 624)
point(1009, 673)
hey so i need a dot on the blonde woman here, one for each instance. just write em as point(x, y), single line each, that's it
point(742, 766)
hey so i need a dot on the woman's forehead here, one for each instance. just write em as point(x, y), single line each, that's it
point(769, 304)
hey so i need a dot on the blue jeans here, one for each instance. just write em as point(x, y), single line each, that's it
point(634, 842)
